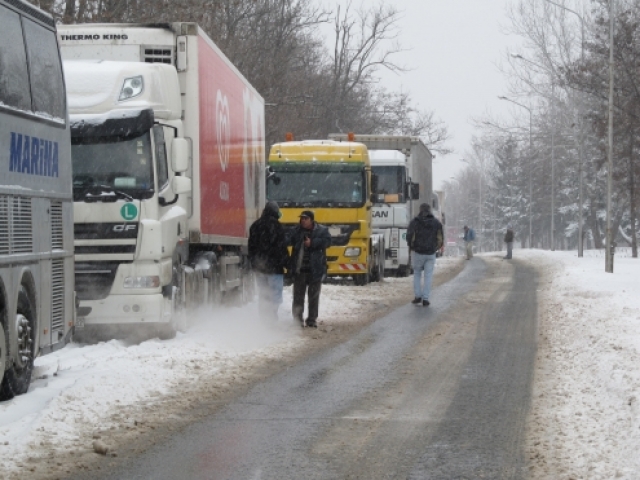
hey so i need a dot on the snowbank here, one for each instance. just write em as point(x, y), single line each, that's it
point(585, 417)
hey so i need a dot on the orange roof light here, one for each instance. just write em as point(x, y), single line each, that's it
point(288, 137)
point(351, 137)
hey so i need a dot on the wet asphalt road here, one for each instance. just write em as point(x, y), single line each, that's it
point(423, 393)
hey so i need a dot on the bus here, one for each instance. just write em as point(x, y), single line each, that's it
point(37, 304)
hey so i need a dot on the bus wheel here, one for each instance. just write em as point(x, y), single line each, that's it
point(3, 351)
point(16, 380)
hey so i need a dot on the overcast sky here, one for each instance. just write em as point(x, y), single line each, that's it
point(454, 47)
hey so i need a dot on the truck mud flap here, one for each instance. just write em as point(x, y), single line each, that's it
point(230, 272)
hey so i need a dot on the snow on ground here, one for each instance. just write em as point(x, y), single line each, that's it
point(84, 392)
point(585, 414)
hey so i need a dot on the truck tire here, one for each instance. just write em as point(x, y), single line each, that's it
point(361, 279)
point(378, 271)
point(402, 271)
point(178, 305)
point(4, 348)
point(17, 378)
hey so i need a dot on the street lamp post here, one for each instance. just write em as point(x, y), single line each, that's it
point(530, 164)
point(480, 175)
point(608, 265)
point(553, 176)
point(581, 143)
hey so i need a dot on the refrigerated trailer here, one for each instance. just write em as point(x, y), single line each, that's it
point(36, 241)
point(169, 172)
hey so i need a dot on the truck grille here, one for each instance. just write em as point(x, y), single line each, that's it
point(16, 227)
point(340, 234)
point(57, 295)
point(94, 279)
point(106, 239)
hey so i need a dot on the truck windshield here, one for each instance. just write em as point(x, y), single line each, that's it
point(390, 180)
point(317, 188)
point(112, 164)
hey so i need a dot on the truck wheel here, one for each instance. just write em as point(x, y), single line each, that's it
point(378, 275)
point(16, 380)
point(361, 279)
point(3, 351)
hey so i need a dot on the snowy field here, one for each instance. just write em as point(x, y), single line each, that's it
point(585, 418)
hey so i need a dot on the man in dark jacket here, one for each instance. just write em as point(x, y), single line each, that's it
point(425, 238)
point(508, 239)
point(269, 257)
point(308, 265)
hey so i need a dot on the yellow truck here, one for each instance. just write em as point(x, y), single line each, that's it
point(334, 180)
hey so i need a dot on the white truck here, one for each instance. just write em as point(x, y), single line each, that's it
point(402, 166)
point(168, 170)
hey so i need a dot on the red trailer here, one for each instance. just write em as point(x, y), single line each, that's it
point(186, 204)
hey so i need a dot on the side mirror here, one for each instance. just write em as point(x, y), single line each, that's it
point(415, 191)
point(374, 183)
point(181, 185)
point(271, 175)
point(179, 155)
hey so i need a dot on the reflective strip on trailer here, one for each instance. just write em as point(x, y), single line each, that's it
point(353, 266)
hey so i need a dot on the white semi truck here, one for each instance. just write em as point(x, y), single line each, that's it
point(403, 169)
point(168, 170)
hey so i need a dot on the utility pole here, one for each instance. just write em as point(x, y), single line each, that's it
point(608, 266)
point(553, 163)
point(581, 126)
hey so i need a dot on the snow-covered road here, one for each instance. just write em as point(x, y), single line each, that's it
point(584, 423)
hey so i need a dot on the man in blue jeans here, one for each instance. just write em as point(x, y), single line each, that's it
point(425, 238)
point(269, 257)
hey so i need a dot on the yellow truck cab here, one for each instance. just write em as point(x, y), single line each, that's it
point(333, 179)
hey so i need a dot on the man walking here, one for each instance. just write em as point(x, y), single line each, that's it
point(424, 237)
point(268, 256)
point(469, 237)
point(308, 266)
point(508, 239)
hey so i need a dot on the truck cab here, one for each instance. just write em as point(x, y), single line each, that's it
point(334, 180)
point(131, 194)
point(391, 212)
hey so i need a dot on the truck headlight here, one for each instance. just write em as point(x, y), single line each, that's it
point(142, 282)
point(352, 251)
point(132, 87)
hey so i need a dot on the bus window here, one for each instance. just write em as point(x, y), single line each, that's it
point(14, 77)
point(45, 71)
